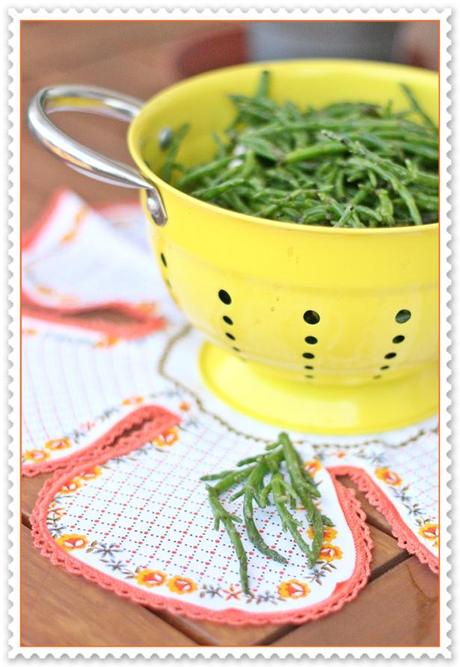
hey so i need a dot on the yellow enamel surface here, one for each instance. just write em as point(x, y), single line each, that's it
point(356, 280)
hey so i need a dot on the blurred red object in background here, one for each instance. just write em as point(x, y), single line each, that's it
point(418, 44)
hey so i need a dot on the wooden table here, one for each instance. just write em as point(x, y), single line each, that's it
point(399, 607)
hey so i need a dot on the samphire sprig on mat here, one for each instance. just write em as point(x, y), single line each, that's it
point(348, 164)
point(275, 477)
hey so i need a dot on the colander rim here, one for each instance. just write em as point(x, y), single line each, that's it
point(266, 222)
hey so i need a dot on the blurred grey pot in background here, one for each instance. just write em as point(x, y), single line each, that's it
point(369, 40)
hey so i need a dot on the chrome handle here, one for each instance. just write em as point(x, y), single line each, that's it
point(82, 159)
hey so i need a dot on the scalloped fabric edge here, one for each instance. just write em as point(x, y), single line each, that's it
point(138, 328)
point(344, 591)
point(146, 415)
point(377, 498)
point(31, 238)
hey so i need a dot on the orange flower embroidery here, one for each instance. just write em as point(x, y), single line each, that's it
point(388, 476)
point(29, 332)
point(71, 486)
point(150, 578)
point(42, 289)
point(58, 443)
point(147, 307)
point(329, 534)
point(133, 400)
point(293, 588)
point(71, 542)
point(69, 236)
point(108, 341)
point(168, 438)
point(90, 474)
point(181, 585)
point(184, 406)
point(312, 466)
point(36, 455)
point(72, 233)
point(430, 531)
point(56, 512)
point(329, 552)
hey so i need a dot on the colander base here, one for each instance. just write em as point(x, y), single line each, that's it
point(310, 408)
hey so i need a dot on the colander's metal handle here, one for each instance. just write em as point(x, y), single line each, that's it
point(82, 159)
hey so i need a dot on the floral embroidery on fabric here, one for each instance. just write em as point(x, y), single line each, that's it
point(430, 531)
point(58, 444)
point(133, 400)
point(71, 486)
point(150, 578)
point(168, 438)
point(329, 533)
point(71, 542)
point(63, 299)
point(293, 588)
point(312, 466)
point(107, 341)
point(55, 512)
point(329, 552)
point(74, 438)
point(388, 476)
point(70, 236)
point(181, 585)
point(89, 475)
point(36, 455)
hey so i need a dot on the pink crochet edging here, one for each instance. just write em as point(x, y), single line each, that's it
point(32, 237)
point(344, 591)
point(405, 537)
point(147, 413)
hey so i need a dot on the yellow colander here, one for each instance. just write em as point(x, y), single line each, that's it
point(316, 329)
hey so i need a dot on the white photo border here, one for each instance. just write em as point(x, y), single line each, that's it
point(15, 17)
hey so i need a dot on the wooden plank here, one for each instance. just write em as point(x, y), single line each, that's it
point(386, 554)
point(97, 40)
point(399, 608)
point(373, 516)
point(30, 488)
point(59, 609)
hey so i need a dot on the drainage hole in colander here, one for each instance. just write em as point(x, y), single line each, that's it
point(229, 335)
point(308, 355)
point(390, 355)
point(309, 377)
point(311, 340)
point(398, 339)
point(309, 368)
point(377, 377)
point(311, 317)
point(227, 319)
point(384, 368)
point(403, 316)
point(163, 260)
point(237, 349)
point(224, 297)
